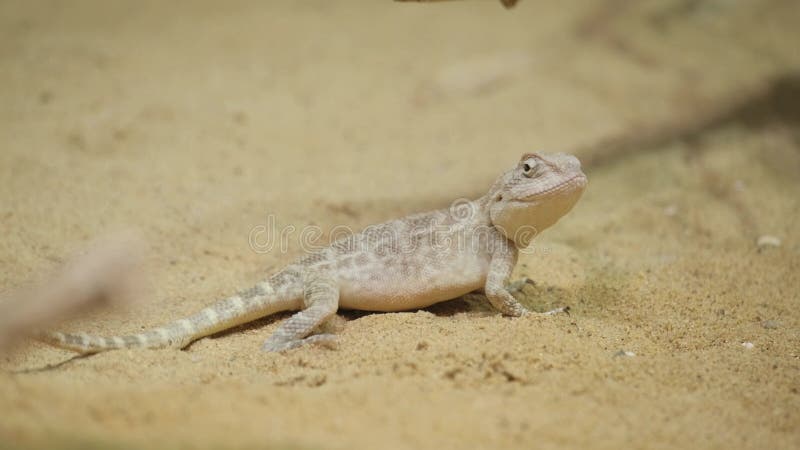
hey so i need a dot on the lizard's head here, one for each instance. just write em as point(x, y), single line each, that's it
point(535, 194)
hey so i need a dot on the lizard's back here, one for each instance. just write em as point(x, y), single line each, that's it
point(406, 263)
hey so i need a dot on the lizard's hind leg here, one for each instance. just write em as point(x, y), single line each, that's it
point(321, 300)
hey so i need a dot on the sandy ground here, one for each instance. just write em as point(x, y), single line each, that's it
point(193, 122)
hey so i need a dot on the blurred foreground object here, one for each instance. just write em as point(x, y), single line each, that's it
point(108, 272)
point(506, 3)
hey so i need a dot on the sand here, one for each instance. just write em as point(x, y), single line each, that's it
point(194, 122)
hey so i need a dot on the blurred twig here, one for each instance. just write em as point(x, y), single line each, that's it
point(108, 272)
point(506, 3)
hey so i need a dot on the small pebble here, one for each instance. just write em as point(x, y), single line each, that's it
point(624, 353)
point(747, 345)
point(768, 241)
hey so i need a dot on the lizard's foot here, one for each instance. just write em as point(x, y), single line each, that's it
point(278, 345)
point(552, 312)
point(517, 286)
point(563, 309)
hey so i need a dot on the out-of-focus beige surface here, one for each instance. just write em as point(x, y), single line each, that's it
point(192, 122)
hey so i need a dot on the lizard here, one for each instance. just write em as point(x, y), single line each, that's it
point(403, 264)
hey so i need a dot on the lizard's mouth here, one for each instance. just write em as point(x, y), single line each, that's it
point(575, 183)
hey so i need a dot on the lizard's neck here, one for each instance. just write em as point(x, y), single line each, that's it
point(483, 204)
point(469, 215)
point(482, 215)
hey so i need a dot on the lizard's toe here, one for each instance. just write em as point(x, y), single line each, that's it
point(275, 345)
point(326, 340)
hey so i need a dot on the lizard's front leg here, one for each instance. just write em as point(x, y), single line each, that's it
point(504, 256)
point(321, 300)
point(497, 291)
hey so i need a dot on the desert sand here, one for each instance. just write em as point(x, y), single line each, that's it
point(192, 123)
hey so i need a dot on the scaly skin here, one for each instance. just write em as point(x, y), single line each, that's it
point(403, 264)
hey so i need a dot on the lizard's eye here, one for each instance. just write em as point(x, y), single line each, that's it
point(529, 168)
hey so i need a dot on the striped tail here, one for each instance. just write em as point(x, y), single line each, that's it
point(257, 302)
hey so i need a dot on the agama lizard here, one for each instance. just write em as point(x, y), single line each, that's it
point(403, 264)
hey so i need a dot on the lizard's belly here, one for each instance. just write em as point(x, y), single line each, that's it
point(398, 285)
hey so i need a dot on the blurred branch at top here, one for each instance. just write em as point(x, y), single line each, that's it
point(506, 3)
